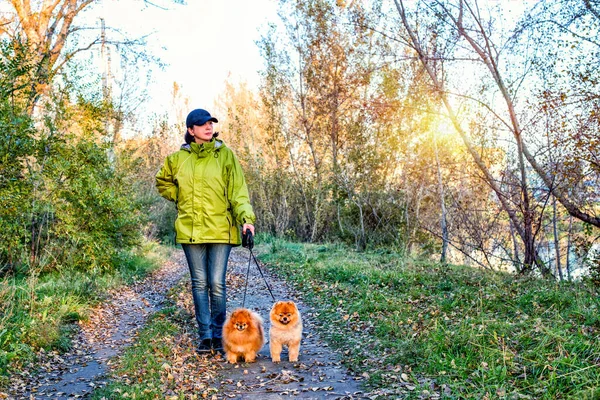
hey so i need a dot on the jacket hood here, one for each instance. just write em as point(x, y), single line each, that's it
point(213, 145)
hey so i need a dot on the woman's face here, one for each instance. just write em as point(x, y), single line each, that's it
point(202, 133)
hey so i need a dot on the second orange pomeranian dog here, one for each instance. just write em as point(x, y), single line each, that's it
point(243, 335)
point(286, 330)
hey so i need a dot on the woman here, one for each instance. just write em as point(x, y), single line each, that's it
point(206, 182)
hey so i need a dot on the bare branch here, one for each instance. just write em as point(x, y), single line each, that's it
point(71, 54)
point(485, 105)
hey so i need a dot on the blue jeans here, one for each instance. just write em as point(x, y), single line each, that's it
point(208, 265)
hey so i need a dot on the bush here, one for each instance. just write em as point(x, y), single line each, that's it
point(16, 144)
point(94, 213)
point(64, 200)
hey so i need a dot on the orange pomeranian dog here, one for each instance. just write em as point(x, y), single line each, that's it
point(243, 335)
point(286, 330)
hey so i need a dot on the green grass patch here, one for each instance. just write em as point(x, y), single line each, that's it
point(39, 311)
point(482, 334)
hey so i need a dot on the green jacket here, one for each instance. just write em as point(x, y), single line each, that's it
point(207, 184)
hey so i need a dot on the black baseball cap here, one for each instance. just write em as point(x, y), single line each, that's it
point(199, 117)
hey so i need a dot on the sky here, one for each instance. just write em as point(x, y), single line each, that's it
point(201, 42)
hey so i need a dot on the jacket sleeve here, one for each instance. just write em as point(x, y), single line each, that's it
point(238, 195)
point(165, 182)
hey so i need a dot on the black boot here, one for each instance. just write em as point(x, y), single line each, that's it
point(217, 344)
point(204, 346)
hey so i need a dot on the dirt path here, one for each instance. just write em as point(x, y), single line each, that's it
point(111, 327)
point(317, 375)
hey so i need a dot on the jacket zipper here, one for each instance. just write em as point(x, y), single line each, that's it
point(193, 196)
point(202, 184)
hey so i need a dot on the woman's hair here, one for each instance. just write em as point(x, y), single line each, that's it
point(188, 138)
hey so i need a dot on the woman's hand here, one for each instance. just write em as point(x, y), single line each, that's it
point(248, 226)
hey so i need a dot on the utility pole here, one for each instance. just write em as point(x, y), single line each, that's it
point(107, 84)
point(106, 70)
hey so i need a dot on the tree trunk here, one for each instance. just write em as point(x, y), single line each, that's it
point(339, 218)
point(443, 222)
point(528, 239)
point(361, 242)
point(517, 257)
point(556, 239)
point(568, 256)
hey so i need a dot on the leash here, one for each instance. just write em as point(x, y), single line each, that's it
point(248, 242)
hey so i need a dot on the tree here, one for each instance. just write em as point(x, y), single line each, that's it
point(324, 122)
point(466, 22)
point(72, 202)
point(46, 27)
point(17, 143)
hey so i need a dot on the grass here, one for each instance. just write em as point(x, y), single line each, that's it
point(38, 312)
point(475, 333)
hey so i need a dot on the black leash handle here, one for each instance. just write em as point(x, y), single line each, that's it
point(248, 241)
